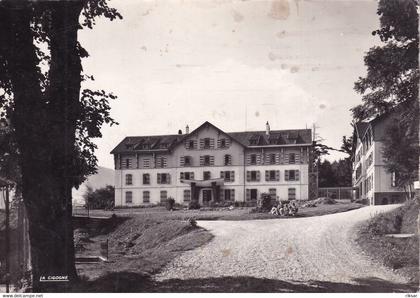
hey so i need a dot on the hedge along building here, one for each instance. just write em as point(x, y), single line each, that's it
point(210, 165)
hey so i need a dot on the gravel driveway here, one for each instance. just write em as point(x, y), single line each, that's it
point(298, 249)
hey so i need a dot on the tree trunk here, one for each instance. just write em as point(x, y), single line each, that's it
point(45, 128)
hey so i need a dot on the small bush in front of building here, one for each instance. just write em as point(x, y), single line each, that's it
point(194, 205)
point(170, 202)
point(265, 203)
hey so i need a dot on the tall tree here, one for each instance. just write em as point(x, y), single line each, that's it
point(52, 118)
point(391, 83)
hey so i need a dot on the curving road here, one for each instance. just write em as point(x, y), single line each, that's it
point(318, 248)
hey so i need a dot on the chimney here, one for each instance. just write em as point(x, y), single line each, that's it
point(187, 129)
point(267, 129)
point(179, 132)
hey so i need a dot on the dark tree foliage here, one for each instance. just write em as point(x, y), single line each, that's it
point(391, 84)
point(52, 119)
point(101, 198)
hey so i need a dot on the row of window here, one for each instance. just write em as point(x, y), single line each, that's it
point(225, 195)
point(228, 176)
point(209, 160)
point(207, 143)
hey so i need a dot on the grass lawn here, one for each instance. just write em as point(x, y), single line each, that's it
point(239, 213)
point(400, 254)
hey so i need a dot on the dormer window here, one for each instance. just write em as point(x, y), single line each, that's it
point(223, 143)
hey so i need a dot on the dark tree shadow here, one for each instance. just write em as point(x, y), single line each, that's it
point(134, 282)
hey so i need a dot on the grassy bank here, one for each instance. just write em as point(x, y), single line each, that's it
point(399, 254)
point(138, 244)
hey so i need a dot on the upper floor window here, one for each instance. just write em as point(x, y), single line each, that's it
point(186, 161)
point(129, 197)
point(393, 179)
point(186, 175)
point(291, 175)
point(206, 143)
point(163, 178)
point(272, 175)
point(146, 163)
point(228, 176)
point(161, 162)
point(272, 158)
point(223, 143)
point(253, 176)
point(206, 175)
point(253, 159)
point(228, 160)
point(206, 160)
point(127, 163)
point(292, 158)
point(128, 179)
point(146, 179)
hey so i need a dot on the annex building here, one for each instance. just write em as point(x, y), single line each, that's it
point(371, 180)
point(210, 165)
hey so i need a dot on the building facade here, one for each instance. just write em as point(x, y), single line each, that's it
point(371, 180)
point(210, 165)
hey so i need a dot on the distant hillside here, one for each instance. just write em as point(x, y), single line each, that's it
point(104, 177)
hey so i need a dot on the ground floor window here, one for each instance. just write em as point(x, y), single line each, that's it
point(229, 195)
point(146, 196)
point(273, 193)
point(129, 197)
point(163, 195)
point(187, 195)
point(251, 194)
point(292, 194)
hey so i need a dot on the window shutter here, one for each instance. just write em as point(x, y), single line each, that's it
point(258, 159)
point(222, 174)
point(159, 178)
point(282, 156)
point(286, 158)
point(258, 176)
point(267, 176)
point(187, 144)
point(219, 143)
point(211, 143)
point(182, 176)
point(286, 175)
point(248, 176)
point(232, 195)
point(165, 162)
point(232, 176)
point(267, 159)
point(201, 143)
point(169, 178)
point(277, 158)
point(192, 175)
point(222, 195)
point(297, 175)
point(248, 159)
point(248, 194)
point(201, 160)
point(211, 160)
point(277, 175)
point(297, 158)
point(195, 144)
point(227, 142)
point(230, 159)
point(182, 161)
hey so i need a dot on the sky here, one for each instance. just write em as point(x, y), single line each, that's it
point(236, 64)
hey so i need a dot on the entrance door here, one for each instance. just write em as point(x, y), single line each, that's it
point(206, 196)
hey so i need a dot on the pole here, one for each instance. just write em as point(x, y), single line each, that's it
point(7, 238)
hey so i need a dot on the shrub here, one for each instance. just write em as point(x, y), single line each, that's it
point(194, 205)
point(170, 202)
point(101, 198)
point(265, 203)
point(192, 222)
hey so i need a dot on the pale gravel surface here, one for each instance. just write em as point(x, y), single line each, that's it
point(318, 248)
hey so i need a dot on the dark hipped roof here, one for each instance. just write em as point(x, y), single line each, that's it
point(163, 143)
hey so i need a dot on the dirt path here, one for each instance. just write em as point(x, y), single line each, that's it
point(302, 249)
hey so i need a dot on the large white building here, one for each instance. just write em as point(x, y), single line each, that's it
point(210, 165)
point(371, 180)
